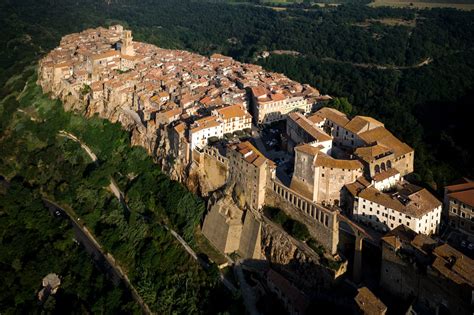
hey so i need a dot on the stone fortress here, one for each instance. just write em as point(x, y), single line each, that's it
point(183, 108)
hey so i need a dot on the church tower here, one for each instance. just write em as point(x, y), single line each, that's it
point(127, 44)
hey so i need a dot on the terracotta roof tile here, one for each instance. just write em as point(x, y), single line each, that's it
point(328, 161)
point(369, 303)
point(384, 137)
point(333, 115)
point(308, 149)
point(305, 124)
point(233, 111)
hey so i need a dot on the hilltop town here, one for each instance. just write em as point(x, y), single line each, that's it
point(253, 141)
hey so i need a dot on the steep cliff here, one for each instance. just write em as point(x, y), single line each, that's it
point(293, 259)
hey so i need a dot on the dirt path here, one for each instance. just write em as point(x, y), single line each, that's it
point(85, 147)
point(425, 62)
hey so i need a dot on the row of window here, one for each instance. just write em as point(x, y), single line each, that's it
point(407, 223)
point(455, 202)
point(462, 214)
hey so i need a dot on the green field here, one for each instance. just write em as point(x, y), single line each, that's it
point(422, 5)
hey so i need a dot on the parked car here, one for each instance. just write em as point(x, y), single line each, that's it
point(463, 243)
point(470, 246)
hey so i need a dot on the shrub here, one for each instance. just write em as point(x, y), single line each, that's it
point(300, 231)
point(318, 248)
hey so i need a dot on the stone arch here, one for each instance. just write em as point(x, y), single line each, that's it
point(389, 164)
point(382, 166)
point(377, 168)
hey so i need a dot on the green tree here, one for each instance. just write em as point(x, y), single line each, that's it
point(341, 104)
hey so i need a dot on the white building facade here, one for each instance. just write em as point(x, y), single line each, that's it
point(385, 215)
point(203, 130)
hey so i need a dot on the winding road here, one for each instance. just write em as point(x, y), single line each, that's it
point(104, 260)
point(120, 196)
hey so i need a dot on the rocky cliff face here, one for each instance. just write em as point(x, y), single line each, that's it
point(294, 260)
point(286, 254)
point(154, 139)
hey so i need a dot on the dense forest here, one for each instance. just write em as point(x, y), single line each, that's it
point(32, 246)
point(351, 51)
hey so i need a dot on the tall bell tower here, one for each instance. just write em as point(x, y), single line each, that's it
point(127, 43)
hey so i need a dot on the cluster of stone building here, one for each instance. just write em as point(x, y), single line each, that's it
point(339, 162)
point(202, 97)
point(359, 165)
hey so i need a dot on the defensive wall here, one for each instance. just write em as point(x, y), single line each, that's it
point(322, 222)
